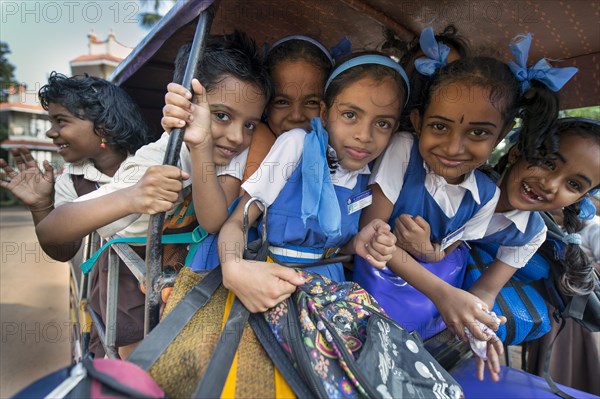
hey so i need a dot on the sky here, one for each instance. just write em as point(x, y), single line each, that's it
point(44, 35)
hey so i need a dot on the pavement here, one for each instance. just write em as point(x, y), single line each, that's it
point(34, 305)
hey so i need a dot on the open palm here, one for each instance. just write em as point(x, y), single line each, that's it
point(29, 184)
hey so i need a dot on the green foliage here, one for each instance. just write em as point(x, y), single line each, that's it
point(587, 112)
point(7, 72)
point(151, 18)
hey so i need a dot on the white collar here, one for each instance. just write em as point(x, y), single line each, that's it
point(469, 182)
point(518, 217)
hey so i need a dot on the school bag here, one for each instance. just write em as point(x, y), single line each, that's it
point(520, 300)
point(95, 379)
point(344, 345)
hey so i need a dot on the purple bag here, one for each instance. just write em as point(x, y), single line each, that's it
point(402, 302)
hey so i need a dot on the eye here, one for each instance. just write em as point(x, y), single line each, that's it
point(549, 164)
point(480, 132)
point(312, 103)
point(222, 116)
point(280, 101)
point(437, 126)
point(250, 125)
point(384, 124)
point(574, 185)
point(349, 115)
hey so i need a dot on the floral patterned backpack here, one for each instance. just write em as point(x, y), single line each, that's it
point(345, 346)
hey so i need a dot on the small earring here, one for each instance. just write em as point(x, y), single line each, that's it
point(103, 143)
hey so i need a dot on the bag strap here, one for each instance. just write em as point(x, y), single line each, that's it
point(213, 381)
point(196, 236)
point(155, 343)
point(277, 355)
point(553, 387)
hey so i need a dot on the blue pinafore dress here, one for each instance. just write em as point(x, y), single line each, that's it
point(408, 306)
point(290, 240)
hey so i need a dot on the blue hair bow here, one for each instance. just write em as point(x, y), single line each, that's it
point(318, 195)
point(542, 71)
point(341, 49)
point(587, 210)
point(437, 53)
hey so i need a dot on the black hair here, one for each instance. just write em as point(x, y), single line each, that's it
point(537, 107)
point(579, 277)
point(406, 52)
point(114, 114)
point(374, 71)
point(298, 50)
point(233, 55)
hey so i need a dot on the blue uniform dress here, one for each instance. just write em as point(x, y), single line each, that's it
point(405, 304)
point(293, 241)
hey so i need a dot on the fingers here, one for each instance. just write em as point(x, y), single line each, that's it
point(199, 92)
point(178, 89)
point(420, 222)
point(480, 367)
point(289, 275)
point(493, 361)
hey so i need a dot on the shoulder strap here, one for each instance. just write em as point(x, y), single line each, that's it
point(196, 236)
point(553, 387)
point(155, 343)
point(212, 382)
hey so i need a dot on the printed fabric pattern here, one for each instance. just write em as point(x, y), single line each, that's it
point(345, 346)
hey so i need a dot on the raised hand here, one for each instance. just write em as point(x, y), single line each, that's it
point(179, 111)
point(34, 187)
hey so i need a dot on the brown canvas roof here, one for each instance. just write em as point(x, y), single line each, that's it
point(565, 32)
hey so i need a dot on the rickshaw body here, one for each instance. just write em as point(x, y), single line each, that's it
point(567, 33)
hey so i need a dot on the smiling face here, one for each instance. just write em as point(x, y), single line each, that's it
point(298, 92)
point(555, 183)
point(361, 120)
point(75, 138)
point(236, 107)
point(458, 130)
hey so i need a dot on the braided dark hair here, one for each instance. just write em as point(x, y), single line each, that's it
point(114, 114)
point(579, 277)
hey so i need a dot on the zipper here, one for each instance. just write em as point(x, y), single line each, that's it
point(299, 353)
point(349, 359)
point(78, 373)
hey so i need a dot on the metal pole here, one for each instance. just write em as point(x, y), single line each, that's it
point(154, 248)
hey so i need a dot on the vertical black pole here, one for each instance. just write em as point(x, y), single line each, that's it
point(154, 248)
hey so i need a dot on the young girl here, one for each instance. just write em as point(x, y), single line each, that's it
point(215, 151)
point(315, 184)
point(237, 87)
point(96, 127)
point(440, 198)
point(298, 66)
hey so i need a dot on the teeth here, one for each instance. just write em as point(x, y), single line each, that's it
point(63, 146)
point(529, 191)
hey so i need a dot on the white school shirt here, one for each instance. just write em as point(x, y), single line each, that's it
point(389, 173)
point(64, 190)
point(516, 256)
point(281, 161)
point(132, 170)
point(590, 239)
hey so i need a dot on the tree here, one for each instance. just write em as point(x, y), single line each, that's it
point(7, 72)
point(149, 19)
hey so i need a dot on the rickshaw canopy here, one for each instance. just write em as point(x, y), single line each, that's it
point(565, 32)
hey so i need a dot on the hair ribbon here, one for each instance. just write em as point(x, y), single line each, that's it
point(436, 53)
point(587, 210)
point(542, 71)
point(572, 238)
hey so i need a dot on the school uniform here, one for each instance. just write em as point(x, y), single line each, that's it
point(518, 235)
point(454, 212)
point(279, 182)
point(132, 170)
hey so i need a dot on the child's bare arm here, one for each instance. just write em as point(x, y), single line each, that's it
point(155, 192)
point(259, 285)
point(491, 282)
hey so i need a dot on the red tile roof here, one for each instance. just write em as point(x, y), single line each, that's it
point(107, 57)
